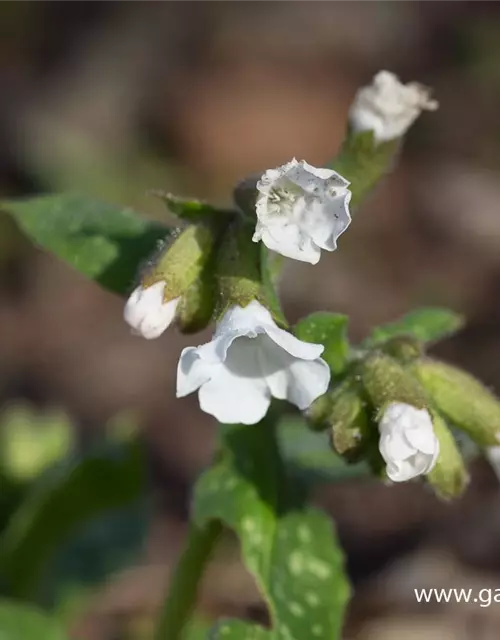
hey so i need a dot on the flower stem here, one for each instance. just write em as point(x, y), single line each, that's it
point(183, 588)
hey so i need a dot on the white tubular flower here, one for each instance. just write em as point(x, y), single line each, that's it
point(147, 313)
point(388, 108)
point(408, 443)
point(301, 210)
point(248, 361)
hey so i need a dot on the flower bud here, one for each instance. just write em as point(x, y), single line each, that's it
point(152, 306)
point(386, 381)
point(408, 443)
point(147, 313)
point(449, 477)
point(348, 422)
point(388, 108)
point(462, 399)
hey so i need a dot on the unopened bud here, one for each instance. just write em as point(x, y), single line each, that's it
point(153, 305)
point(147, 313)
point(348, 422)
point(386, 381)
point(462, 399)
point(449, 477)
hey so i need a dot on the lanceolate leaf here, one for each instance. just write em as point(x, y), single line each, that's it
point(290, 548)
point(67, 499)
point(105, 242)
point(426, 325)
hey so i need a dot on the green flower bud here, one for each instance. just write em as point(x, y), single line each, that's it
point(449, 477)
point(386, 381)
point(167, 281)
point(348, 421)
point(182, 261)
point(405, 349)
point(462, 399)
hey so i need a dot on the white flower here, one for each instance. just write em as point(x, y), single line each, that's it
point(147, 313)
point(301, 210)
point(408, 443)
point(388, 108)
point(248, 361)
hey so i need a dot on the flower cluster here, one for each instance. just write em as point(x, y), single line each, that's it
point(298, 211)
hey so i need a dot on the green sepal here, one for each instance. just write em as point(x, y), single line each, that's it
point(387, 381)
point(197, 304)
point(449, 477)
point(192, 210)
point(466, 402)
point(348, 421)
point(404, 349)
point(425, 325)
point(242, 273)
point(182, 261)
point(364, 162)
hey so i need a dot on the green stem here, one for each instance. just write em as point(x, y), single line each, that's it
point(183, 588)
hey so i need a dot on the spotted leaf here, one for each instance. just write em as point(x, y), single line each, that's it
point(289, 547)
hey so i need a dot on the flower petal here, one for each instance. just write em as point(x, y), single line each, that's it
point(294, 346)
point(289, 241)
point(289, 378)
point(238, 392)
point(192, 371)
point(393, 446)
point(331, 220)
point(422, 437)
point(401, 470)
point(146, 312)
point(333, 178)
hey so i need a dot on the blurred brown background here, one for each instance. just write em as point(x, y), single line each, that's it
point(115, 98)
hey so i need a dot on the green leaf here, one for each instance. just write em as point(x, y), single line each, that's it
point(57, 507)
point(426, 325)
point(104, 242)
point(330, 330)
point(238, 630)
point(290, 548)
point(19, 622)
